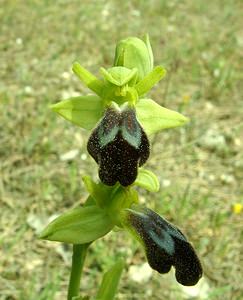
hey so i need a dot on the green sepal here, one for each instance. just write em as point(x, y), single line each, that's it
point(78, 226)
point(100, 192)
point(91, 81)
point(150, 51)
point(119, 76)
point(84, 111)
point(110, 281)
point(150, 80)
point(155, 118)
point(147, 180)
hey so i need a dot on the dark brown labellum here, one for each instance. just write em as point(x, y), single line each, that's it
point(119, 145)
point(166, 246)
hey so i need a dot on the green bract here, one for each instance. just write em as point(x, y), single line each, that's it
point(79, 226)
point(147, 180)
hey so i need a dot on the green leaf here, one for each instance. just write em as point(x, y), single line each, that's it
point(88, 79)
point(155, 118)
point(147, 180)
point(78, 226)
point(84, 111)
point(150, 80)
point(110, 281)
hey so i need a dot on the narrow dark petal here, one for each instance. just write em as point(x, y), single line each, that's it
point(166, 246)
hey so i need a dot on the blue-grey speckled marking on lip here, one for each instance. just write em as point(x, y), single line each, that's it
point(175, 233)
point(163, 240)
point(131, 135)
point(108, 137)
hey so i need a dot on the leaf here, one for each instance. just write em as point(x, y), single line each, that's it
point(78, 226)
point(110, 281)
point(84, 111)
point(147, 180)
point(88, 79)
point(155, 118)
point(150, 80)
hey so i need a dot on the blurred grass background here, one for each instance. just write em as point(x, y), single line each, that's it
point(42, 157)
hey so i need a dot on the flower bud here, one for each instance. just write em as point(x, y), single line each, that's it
point(135, 53)
point(165, 245)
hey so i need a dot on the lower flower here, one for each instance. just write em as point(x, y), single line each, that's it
point(165, 245)
point(119, 145)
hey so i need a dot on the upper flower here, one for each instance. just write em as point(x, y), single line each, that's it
point(119, 145)
point(135, 53)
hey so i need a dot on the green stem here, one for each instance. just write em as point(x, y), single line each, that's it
point(79, 254)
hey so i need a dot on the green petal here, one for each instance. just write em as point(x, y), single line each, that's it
point(110, 281)
point(147, 180)
point(78, 226)
point(118, 75)
point(88, 79)
point(146, 84)
point(84, 111)
point(155, 118)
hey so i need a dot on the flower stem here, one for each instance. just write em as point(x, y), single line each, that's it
point(79, 254)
